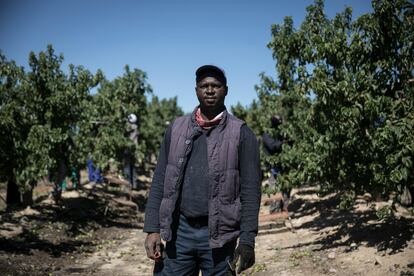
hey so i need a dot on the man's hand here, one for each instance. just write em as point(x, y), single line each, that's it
point(246, 255)
point(153, 246)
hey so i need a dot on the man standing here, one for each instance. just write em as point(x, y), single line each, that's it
point(273, 146)
point(129, 156)
point(206, 189)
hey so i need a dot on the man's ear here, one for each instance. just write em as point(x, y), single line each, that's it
point(227, 90)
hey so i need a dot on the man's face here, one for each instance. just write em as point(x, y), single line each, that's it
point(211, 93)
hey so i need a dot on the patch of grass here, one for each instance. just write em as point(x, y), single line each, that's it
point(258, 268)
point(296, 257)
point(347, 201)
point(384, 213)
point(255, 268)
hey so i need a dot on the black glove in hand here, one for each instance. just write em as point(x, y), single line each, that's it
point(246, 255)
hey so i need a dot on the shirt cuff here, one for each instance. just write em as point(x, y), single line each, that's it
point(151, 229)
point(247, 239)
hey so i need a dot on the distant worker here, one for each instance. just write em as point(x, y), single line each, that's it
point(94, 173)
point(129, 157)
point(273, 145)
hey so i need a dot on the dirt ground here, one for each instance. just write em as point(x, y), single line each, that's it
point(97, 230)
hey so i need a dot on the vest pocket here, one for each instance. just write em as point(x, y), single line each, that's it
point(230, 216)
point(229, 186)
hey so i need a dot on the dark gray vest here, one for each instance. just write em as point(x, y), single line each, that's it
point(224, 187)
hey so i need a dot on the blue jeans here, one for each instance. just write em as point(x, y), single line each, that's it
point(189, 252)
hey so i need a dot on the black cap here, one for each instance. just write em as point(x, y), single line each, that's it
point(211, 71)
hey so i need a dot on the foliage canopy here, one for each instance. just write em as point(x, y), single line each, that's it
point(345, 91)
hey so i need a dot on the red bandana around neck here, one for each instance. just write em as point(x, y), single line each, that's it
point(206, 124)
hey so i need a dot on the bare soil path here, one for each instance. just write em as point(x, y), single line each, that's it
point(101, 234)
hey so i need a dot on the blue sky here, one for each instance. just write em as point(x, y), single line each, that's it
point(168, 40)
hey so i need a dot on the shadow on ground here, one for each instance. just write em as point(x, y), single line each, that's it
point(359, 227)
point(68, 226)
point(28, 242)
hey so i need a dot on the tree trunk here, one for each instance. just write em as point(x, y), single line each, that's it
point(27, 197)
point(60, 176)
point(13, 193)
